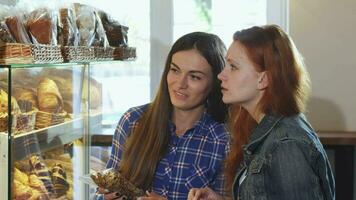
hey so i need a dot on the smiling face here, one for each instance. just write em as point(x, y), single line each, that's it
point(241, 82)
point(189, 80)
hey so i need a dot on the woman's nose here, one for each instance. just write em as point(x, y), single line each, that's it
point(221, 75)
point(182, 81)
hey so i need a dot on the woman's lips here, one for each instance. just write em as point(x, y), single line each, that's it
point(180, 95)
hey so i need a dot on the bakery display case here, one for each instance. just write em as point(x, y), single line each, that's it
point(50, 103)
point(44, 138)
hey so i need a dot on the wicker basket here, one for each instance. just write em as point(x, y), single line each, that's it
point(102, 53)
point(46, 54)
point(15, 53)
point(23, 122)
point(124, 53)
point(18, 53)
point(78, 54)
point(45, 119)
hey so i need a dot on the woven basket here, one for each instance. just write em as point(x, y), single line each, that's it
point(18, 53)
point(45, 119)
point(102, 53)
point(15, 53)
point(78, 54)
point(46, 54)
point(23, 122)
point(124, 53)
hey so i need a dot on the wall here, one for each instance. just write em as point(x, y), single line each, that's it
point(324, 31)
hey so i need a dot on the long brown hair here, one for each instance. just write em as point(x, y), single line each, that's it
point(273, 51)
point(149, 141)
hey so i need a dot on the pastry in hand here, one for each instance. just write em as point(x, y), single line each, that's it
point(49, 98)
point(112, 180)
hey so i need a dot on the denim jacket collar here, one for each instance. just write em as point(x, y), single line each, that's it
point(261, 131)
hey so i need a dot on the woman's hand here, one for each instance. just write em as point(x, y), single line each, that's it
point(203, 194)
point(110, 195)
point(151, 196)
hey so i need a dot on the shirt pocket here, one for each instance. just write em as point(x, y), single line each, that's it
point(199, 177)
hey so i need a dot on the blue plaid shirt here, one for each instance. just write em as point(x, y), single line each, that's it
point(193, 160)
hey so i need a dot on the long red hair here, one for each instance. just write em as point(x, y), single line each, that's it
point(273, 51)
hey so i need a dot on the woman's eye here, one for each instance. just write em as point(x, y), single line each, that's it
point(233, 67)
point(173, 70)
point(195, 77)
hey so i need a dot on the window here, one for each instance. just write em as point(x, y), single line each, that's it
point(125, 84)
point(220, 17)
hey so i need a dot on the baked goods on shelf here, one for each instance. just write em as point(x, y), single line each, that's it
point(115, 32)
point(68, 34)
point(22, 94)
point(59, 180)
point(5, 35)
point(49, 98)
point(17, 29)
point(85, 18)
point(21, 191)
point(42, 27)
point(15, 109)
point(41, 178)
point(38, 168)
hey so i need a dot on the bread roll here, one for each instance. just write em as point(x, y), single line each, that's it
point(49, 98)
point(26, 95)
point(21, 191)
point(4, 104)
point(20, 176)
point(37, 184)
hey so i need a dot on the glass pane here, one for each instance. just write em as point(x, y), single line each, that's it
point(47, 147)
point(220, 17)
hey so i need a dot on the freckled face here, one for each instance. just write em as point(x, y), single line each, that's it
point(189, 80)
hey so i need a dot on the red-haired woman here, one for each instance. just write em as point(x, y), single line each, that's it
point(275, 151)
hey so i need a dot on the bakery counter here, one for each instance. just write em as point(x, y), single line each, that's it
point(48, 138)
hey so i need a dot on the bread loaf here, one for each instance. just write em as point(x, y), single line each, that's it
point(49, 97)
point(26, 95)
point(41, 28)
point(68, 34)
point(86, 21)
point(5, 35)
point(13, 24)
point(115, 32)
point(15, 109)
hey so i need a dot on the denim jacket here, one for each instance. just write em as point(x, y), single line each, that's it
point(284, 159)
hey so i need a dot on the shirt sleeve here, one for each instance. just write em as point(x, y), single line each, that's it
point(118, 142)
